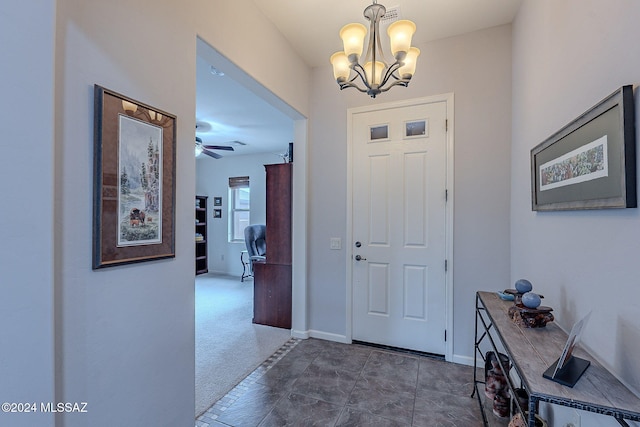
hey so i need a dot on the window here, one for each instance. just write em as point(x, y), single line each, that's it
point(378, 132)
point(239, 196)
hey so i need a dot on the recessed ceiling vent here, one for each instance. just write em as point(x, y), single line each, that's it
point(393, 14)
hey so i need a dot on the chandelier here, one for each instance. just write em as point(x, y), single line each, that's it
point(376, 74)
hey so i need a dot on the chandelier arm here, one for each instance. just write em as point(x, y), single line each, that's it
point(379, 56)
point(350, 83)
point(370, 53)
point(345, 85)
point(399, 82)
point(360, 71)
point(390, 73)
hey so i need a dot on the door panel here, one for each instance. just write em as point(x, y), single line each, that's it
point(415, 223)
point(379, 205)
point(378, 289)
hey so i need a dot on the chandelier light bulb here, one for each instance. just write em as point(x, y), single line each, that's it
point(341, 66)
point(409, 67)
point(374, 75)
point(400, 34)
point(352, 36)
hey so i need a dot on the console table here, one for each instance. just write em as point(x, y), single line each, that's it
point(531, 351)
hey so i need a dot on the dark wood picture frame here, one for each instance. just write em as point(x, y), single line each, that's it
point(591, 162)
point(134, 181)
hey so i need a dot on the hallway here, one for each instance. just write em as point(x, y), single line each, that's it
point(321, 383)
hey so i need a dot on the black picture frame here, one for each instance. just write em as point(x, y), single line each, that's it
point(134, 181)
point(591, 162)
point(217, 201)
point(217, 213)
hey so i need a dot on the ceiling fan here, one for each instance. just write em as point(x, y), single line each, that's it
point(206, 149)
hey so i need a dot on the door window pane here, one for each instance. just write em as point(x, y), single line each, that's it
point(379, 132)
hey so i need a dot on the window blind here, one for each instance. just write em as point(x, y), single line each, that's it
point(239, 182)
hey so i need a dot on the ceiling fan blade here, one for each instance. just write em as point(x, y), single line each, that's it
point(219, 147)
point(198, 139)
point(211, 154)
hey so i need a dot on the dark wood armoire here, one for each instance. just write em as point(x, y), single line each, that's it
point(272, 278)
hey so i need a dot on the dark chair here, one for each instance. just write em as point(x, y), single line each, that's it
point(255, 240)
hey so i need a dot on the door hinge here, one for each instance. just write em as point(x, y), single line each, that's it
point(446, 195)
point(446, 265)
point(446, 125)
point(445, 335)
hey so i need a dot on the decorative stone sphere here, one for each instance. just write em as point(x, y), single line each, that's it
point(531, 300)
point(523, 286)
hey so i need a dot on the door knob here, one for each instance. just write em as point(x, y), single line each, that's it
point(359, 258)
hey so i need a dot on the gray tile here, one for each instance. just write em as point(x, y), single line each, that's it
point(445, 377)
point(435, 409)
point(326, 383)
point(299, 353)
point(392, 367)
point(284, 373)
point(346, 358)
point(330, 385)
point(252, 406)
point(392, 400)
point(354, 418)
point(297, 410)
point(316, 346)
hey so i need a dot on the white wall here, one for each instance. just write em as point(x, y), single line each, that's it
point(26, 215)
point(212, 179)
point(240, 32)
point(567, 56)
point(477, 69)
point(124, 336)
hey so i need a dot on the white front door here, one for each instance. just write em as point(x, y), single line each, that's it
point(398, 226)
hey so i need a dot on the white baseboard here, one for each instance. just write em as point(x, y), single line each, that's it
point(303, 335)
point(327, 336)
point(464, 360)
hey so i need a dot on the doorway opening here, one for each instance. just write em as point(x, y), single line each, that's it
point(233, 110)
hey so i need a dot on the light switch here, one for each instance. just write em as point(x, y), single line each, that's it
point(336, 243)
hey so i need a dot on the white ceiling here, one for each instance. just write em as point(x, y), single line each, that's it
point(236, 111)
point(229, 111)
point(312, 26)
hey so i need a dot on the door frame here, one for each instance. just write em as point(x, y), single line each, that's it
point(447, 98)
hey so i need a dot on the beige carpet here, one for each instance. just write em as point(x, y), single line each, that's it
point(228, 345)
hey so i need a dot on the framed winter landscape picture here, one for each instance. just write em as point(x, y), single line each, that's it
point(134, 181)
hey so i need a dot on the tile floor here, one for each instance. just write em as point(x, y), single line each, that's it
point(321, 383)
